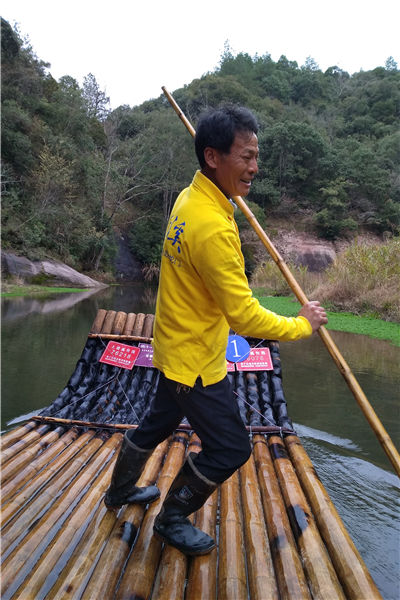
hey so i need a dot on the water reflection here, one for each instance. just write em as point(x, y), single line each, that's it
point(41, 347)
point(22, 306)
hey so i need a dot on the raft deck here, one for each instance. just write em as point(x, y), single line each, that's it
point(278, 535)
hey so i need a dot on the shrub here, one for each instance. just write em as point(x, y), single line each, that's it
point(365, 279)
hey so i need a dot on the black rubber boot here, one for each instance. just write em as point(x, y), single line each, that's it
point(188, 492)
point(128, 468)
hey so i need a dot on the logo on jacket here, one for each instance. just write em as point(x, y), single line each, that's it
point(175, 229)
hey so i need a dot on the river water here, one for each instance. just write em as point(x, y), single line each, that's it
point(43, 339)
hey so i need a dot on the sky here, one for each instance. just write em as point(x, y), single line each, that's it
point(134, 47)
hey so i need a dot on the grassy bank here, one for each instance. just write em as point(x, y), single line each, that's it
point(376, 328)
point(12, 291)
point(363, 280)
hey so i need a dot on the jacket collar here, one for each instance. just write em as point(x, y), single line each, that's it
point(209, 188)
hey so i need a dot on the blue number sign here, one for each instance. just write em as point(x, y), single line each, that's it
point(238, 349)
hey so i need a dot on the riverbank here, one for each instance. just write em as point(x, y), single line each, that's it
point(12, 290)
point(337, 321)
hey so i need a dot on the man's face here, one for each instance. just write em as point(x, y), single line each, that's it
point(234, 172)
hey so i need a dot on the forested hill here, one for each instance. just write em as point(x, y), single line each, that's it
point(74, 171)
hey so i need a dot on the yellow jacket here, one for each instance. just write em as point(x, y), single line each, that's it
point(203, 290)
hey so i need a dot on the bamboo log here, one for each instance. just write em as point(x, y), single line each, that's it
point(117, 426)
point(49, 497)
point(349, 566)
point(138, 327)
point(41, 577)
point(232, 569)
point(119, 323)
point(202, 577)
point(10, 437)
point(130, 321)
point(23, 443)
point(38, 537)
point(171, 573)
point(289, 572)
point(260, 570)
point(141, 567)
point(340, 362)
point(99, 321)
point(72, 581)
point(321, 575)
point(121, 338)
point(23, 458)
point(170, 576)
point(148, 326)
point(108, 321)
point(41, 477)
point(104, 579)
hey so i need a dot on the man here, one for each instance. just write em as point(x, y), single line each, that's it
point(203, 291)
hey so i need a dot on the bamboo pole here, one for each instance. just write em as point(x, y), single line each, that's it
point(98, 321)
point(141, 567)
point(172, 570)
point(171, 574)
point(108, 321)
point(23, 458)
point(261, 575)
point(41, 577)
point(130, 321)
point(127, 338)
point(340, 362)
point(319, 570)
point(138, 327)
point(40, 535)
point(349, 566)
point(119, 323)
point(104, 579)
point(202, 577)
point(232, 569)
point(119, 427)
point(72, 581)
point(49, 498)
point(148, 326)
point(42, 475)
point(22, 443)
point(289, 572)
point(10, 437)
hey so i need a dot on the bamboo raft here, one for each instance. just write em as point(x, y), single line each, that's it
point(278, 534)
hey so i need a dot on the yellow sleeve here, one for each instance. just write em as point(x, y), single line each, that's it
point(221, 268)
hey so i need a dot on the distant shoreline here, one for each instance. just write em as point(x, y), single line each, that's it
point(13, 291)
point(338, 321)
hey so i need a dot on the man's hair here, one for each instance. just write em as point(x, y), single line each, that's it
point(218, 127)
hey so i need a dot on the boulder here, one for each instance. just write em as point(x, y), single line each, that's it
point(305, 250)
point(54, 272)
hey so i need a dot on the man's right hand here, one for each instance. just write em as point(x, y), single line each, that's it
point(314, 313)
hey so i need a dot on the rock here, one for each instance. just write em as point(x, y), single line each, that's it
point(306, 250)
point(54, 272)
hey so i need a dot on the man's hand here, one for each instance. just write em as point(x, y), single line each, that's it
point(314, 313)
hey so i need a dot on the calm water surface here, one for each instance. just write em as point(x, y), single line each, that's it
point(42, 341)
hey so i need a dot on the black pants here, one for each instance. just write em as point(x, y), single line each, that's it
point(214, 415)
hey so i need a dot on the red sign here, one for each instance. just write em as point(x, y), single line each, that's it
point(120, 355)
point(230, 366)
point(259, 360)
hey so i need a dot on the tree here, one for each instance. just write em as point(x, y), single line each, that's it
point(95, 99)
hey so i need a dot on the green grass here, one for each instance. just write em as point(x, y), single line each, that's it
point(375, 328)
point(16, 290)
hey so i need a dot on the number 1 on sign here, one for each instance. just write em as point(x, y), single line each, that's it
point(236, 355)
point(237, 349)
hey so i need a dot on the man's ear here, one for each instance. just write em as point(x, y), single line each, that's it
point(211, 156)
